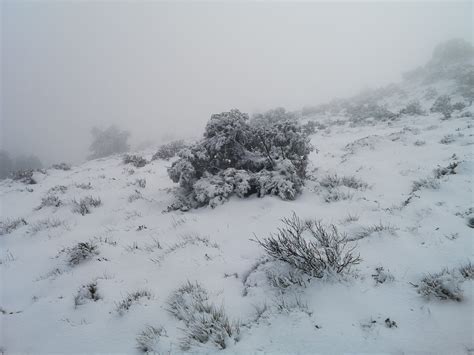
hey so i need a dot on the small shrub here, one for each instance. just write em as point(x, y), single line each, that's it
point(9, 225)
point(444, 285)
point(443, 105)
point(135, 160)
point(50, 200)
point(84, 186)
point(448, 139)
point(87, 293)
point(183, 300)
point(326, 253)
point(459, 106)
point(381, 276)
point(419, 143)
point(376, 228)
point(148, 339)
point(169, 150)
point(61, 166)
point(81, 252)
point(58, 188)
point(140, 183)
point(413, 109)
point(427, 183)
point(448, 170)
point(334, 195)
point(137, 195)
point(24, 176)
point(85, 205)
point(124, 305)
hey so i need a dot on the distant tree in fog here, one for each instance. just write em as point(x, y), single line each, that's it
point(6, 164)
point(108, 141)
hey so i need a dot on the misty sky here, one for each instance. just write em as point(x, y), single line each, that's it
point(160, 68)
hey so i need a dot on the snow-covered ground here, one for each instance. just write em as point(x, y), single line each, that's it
point(142, 248)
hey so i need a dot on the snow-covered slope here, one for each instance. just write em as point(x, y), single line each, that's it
point(408, 233)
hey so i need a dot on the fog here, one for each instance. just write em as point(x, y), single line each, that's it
point(161, 69)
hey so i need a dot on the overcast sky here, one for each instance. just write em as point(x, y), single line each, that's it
point(161, 68)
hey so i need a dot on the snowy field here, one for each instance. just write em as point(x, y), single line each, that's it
point(402, 230)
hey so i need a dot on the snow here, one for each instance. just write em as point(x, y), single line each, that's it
point(142, 248)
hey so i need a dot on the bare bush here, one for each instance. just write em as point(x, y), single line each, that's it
point(81, 252)
point(375, 228)
point(85, 205)
point(326, 253)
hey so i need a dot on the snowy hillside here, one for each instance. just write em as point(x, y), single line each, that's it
point(405, 205)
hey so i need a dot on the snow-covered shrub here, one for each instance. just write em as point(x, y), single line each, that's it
point(132, 298)
point(448, 170)
point(81, 252)
point(106, 142)
point(334, 195)
point(467, 271)
point(24, 176)
point(375, 228)
point(310, 127)
point(412, 109)
point(85, 205)
point(445, 285)
point(86, 294)
point(448, 139)
point(140, 183)
point(61, 166)
point(205, 323)
point(135, 160)
point(84, 186)
point(381, 276)
point(427, 183)
point(242, 158)
point(443, 105)
point(57, 188)
point(169, 150)
point(9, 225)
point(50, 200)
point(459, 106)
point(311, 247)
point(148, 339)
point(137, 195)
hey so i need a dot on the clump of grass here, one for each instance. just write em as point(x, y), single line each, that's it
point(375, 228)
point(47, 223)
point(148, 339)
point(8, 225)
point(352, 182)
point(132, 298)
point(205, 323)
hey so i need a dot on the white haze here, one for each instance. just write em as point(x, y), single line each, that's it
point(160, 69)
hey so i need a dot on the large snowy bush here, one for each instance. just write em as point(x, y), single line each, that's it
point(238, 156)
